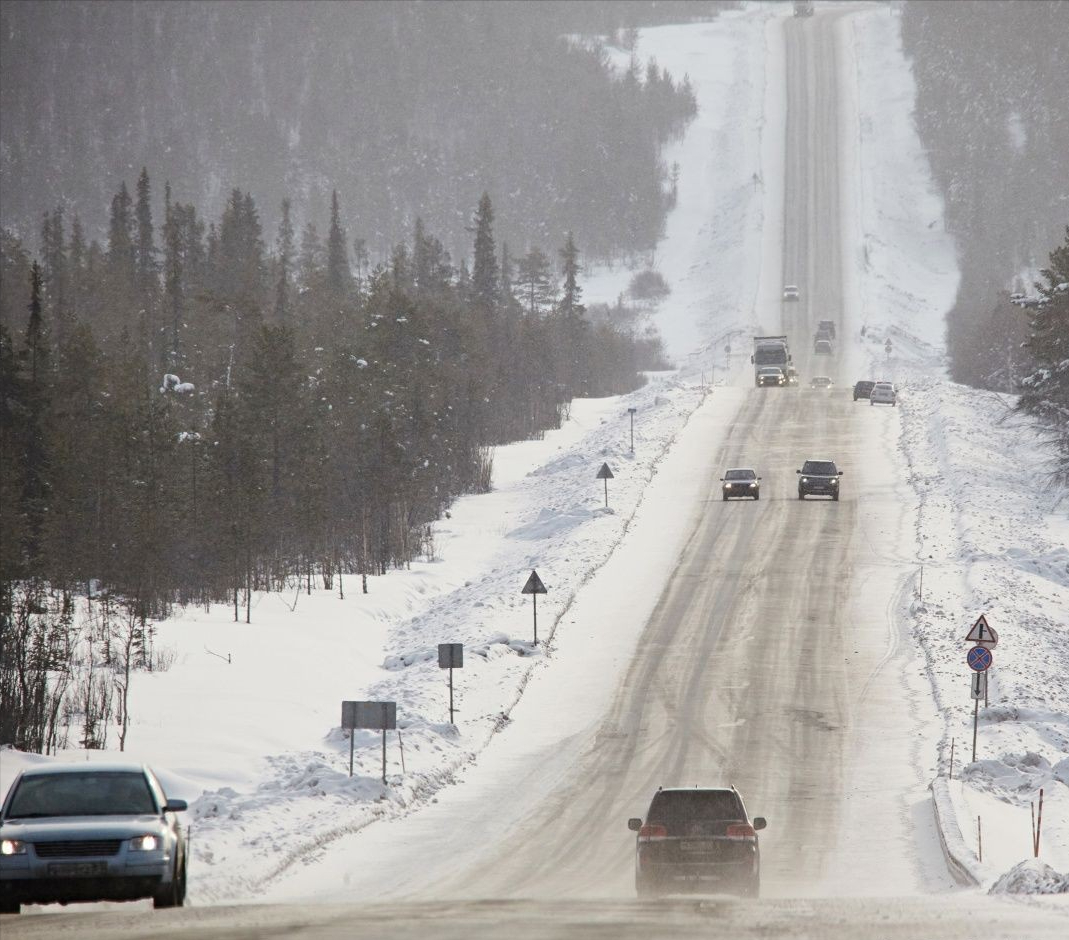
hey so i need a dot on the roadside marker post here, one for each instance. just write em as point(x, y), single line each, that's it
point(1036, 826)
point(605, 474)
point(451, 656)
point(631, 411)
point(534, 587)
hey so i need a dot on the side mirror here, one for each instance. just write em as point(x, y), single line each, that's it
point(751, 358)
point(176, 806)
point(759, 822)
point(721, 479)
point(634, 824)
point(840, 473)
point(758, 478)
point(797, 471)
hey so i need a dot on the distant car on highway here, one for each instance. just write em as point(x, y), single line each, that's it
point(770, 377)
point(819, 478)
point(820, 381)
point(862, 389)
point(822, 347)
point(792, 375)
point(826, 326)
point(90, 832)
point(791, 292)
point(883, 393)
point(697, 839)
point(741, 482)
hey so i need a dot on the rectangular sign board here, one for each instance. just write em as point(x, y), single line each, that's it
point(450, 655)
point(377, 716)
point(978, 685)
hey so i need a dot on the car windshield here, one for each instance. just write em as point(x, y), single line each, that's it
point(740, 475)
point(93, 793)
point(679, 808)
point(819, 468)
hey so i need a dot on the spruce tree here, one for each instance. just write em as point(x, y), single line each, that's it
point(284, 271)
point(484, 271)
point(339, 276)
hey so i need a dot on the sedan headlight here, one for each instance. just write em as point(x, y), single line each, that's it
point(804, 480)
point(834, 481)
point(145, 843)
point(12, 847)
point(727, 486)
point(753, 486)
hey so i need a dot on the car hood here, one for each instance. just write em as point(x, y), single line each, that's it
point(61, 828)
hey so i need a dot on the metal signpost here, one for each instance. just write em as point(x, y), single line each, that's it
point(979, 659)
point(605, 474)
point(375, 716)
point(451, 656)
point(631, 411)
point(534, 587)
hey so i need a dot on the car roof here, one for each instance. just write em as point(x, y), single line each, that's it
point(865, 382)
point(818, 460)
point(697, 790)
point(109, 767)
point(888, 384)
point(737, 469)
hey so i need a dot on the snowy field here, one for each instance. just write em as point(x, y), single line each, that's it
point(254, 743)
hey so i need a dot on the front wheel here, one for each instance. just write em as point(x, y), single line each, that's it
point(835, 497)
point(174, 895)
point(801, 495)
point(756, 497)
point(9, 906)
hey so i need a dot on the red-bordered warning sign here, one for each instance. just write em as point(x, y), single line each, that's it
point(982, 634)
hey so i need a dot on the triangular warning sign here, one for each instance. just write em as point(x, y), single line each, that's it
point(534, 585)
point(982, 634)
point(604, 473)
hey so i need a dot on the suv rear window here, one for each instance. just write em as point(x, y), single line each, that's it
point(677, 809)
point(820, 468)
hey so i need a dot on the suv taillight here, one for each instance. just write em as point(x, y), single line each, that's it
point(651, 833)
point(741, 831)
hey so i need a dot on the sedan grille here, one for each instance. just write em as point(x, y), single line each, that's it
point(79, 849)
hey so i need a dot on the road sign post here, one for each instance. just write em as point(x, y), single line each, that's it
point(605, 474)
point(451, 656)
point(534, 587)
point(372, 715)
point(631, 412)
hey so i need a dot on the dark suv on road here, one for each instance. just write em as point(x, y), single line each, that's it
point(863, 389)
point(819, 478)
point(697, 840)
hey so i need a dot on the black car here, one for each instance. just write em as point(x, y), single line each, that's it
point(697, 839)
point(741, 482)
point(819, 478)
point(862, 389)
point(90, 832)
point(828, 327)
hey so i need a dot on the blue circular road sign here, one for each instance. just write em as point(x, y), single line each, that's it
point(979, 658)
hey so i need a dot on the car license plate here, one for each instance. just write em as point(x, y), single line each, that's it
point(695, 846)
point(77, 869)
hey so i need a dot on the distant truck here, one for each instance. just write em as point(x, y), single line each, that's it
point(770, 351)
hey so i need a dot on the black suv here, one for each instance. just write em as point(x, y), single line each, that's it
point(862, 389)
point(698, 839)
point(819, 478)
